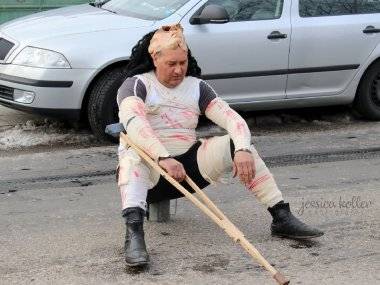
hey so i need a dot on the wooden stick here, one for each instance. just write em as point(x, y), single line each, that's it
point(210, 210)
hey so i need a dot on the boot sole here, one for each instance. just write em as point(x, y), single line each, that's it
point(137, 263)
point(296, 237)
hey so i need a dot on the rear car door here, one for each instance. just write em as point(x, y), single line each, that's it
point(330, 40)
point(237, 57)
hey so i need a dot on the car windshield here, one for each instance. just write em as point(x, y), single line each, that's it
point(147, 10)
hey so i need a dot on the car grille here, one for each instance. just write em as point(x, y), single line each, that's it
point(5, 47)
point(6, 92)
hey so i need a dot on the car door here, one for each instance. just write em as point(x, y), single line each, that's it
point(330, 40)
point(237, 57)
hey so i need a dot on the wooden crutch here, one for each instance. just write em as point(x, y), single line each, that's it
point(211, 210)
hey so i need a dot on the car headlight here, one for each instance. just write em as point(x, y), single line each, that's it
point(37, 57)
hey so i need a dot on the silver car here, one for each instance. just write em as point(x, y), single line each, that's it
point(258, 54)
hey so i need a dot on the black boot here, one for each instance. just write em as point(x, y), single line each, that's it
point(135, 248)
point(286, 225)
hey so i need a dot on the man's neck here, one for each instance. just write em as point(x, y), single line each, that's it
point(167, 85)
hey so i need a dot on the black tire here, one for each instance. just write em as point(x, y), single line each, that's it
point(102, 108)
point(367, 100)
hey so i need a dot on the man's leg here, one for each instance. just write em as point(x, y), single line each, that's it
point(133, 198)
point(215, 157)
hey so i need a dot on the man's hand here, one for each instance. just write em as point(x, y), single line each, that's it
point(174, 168)
point(244, 166)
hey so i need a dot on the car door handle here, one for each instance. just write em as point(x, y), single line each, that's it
point(371, 30)
point(276, 35)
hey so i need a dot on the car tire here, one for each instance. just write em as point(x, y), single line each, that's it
point(367, 100)
point(102, 108)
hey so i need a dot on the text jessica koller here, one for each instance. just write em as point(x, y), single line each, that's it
point(355, 202)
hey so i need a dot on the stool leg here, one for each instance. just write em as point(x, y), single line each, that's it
point(160, 211)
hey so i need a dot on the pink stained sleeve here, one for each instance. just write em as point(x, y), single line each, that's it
point(221, 114)
point(132, 115)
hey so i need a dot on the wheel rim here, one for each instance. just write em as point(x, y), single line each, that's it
point(375, 90)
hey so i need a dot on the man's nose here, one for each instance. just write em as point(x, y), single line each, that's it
point(177, 69)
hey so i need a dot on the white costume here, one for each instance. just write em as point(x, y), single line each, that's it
point(162, 121)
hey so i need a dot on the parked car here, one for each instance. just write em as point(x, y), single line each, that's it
point(258, 54)
point(12, 9)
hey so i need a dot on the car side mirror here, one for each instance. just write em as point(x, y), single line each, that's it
point(214, 14)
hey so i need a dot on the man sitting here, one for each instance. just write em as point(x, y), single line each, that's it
point(159, 105)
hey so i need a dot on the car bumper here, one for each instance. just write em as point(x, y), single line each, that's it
point(57, 92)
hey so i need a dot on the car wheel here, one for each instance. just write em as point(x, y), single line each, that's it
point(102, 108)
point(367, 101)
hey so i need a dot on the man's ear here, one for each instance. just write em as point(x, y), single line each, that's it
point(155, 59)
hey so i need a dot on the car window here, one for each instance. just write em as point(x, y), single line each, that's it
point(316, 8)
point(145, 9)
point(251, 10)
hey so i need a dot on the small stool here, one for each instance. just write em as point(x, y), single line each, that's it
point(159, 212)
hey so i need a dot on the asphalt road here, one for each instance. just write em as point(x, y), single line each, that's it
point(60, 218)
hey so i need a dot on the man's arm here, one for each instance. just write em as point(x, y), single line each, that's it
point(218, 111)
point(132, 115)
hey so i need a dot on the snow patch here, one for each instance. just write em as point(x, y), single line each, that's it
point(41, 133)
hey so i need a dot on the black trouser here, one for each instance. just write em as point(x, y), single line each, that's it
point(166, 191)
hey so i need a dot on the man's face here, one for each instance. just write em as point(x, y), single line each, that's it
point(171, 66)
